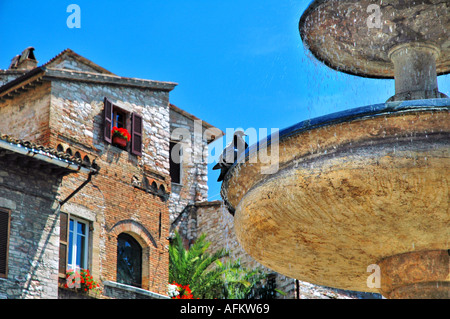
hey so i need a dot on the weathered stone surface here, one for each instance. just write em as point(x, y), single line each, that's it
point(346, 196)
point(28, 115)
point(421, 274)
point(34, 231)
point(338, 34)
point(193, 186)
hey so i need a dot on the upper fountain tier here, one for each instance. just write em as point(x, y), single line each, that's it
point(346, 35)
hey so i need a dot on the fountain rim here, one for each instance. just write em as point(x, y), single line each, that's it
point(311, 7)
point(359, 113)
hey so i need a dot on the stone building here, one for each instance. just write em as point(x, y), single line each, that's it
point(30, 176)
point(115, 223)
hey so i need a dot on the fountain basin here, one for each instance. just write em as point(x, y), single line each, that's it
point(339, 33)
point(352, 189)
point(405, 40)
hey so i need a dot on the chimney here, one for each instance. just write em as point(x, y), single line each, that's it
point(24, 61)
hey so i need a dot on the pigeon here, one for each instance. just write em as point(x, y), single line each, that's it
point(230, 154)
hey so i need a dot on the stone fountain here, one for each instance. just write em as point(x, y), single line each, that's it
point(360, 200)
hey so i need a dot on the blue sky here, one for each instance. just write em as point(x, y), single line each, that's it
point(239, 64)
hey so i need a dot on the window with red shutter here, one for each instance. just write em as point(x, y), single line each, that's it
point(117, 117)
point(136, 134)
point(4, 241)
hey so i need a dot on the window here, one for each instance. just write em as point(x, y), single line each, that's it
point(78, 245)
point(115, 116)
point(119, 118)
point(74, 244)
point(175, 155)
point(129, 261)
point(4, 241)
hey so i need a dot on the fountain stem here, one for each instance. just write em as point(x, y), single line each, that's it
point(418, 274)
point(415, 71)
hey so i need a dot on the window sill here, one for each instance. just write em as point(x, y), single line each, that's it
point(176, 184)
point(120, 148)
point(133, 290)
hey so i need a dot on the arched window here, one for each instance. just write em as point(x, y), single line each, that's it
point(86, 160)
point(129, 261)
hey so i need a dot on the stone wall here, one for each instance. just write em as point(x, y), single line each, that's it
point(214, 220)
point(9, 75)
point(115, 290)
point(70, 63)
point(76, 117)
point(30, 194)
point(27, 115)
point(194, 170)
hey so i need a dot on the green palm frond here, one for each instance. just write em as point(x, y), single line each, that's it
point(206, 274)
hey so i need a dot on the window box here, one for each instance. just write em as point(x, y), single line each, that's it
point(120, 136)
point(119, 141)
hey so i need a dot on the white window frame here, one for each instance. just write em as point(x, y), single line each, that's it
point(72, 237)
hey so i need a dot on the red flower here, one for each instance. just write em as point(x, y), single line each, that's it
point(185, 292)
point(82, 279)
point(121, 132)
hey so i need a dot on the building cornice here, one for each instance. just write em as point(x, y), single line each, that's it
point(83, 76)
point(33, 77)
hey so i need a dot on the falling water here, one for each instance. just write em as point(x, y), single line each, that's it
point(330, 91)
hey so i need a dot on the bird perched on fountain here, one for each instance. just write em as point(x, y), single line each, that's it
point(230, 154)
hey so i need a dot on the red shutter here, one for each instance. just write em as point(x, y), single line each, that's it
point(4, 241)
point(63, 243)
point(108, 116)
point(136, 134)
